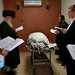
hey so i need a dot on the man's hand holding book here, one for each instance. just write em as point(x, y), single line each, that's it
point(4, 52)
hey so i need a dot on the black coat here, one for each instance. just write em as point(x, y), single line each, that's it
point(70, 35)
point(12, 59)
point(60, 36)
point(69, 39)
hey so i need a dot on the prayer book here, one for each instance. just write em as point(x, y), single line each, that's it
point(19, 28)
point(9, 43)
point(58, 28)
point(71, 49)
point(53, 31)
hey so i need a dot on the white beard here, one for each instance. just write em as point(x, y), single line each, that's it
point(10, 24)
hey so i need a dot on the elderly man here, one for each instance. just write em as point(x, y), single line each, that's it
point(12, 58)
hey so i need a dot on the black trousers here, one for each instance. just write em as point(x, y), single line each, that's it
point(70, 67)
point(69, 62)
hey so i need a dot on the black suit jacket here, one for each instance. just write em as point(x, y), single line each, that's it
point(69, 39)
point(60, 36)
point(12, 59)
point(70, 35)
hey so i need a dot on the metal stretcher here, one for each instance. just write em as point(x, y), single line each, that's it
point(38, 48)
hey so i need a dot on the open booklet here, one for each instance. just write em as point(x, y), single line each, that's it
point(58, 28)
point(19, 28)
point(9, 43)
point(71, 49)
point(53, 31)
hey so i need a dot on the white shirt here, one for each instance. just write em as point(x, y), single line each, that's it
point(70, 23)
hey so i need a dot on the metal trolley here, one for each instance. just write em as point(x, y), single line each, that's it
point(38, 56)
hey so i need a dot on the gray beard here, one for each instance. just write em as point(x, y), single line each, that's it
point(10, 24)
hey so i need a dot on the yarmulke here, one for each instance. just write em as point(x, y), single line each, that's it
point(8, 13)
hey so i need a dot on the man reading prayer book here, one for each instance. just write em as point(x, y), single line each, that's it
point(12, 58)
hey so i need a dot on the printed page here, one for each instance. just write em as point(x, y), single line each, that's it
point(58, 28)
point(19, 28)
point(14, 44)
point(4, 42)
point(53, 31)
point(71, 49)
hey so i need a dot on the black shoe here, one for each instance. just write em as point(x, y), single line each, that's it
point(63, 64)
point(11, 72)
point(3, 70)
point(59, 60)
point(57, 52)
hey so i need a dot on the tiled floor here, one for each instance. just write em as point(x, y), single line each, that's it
point(25, 67)
point(57, 67)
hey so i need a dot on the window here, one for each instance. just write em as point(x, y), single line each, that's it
point(32, 2)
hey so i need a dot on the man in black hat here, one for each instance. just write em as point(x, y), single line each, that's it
point(12, 58)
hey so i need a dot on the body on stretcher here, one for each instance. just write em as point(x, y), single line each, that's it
point(38, 44)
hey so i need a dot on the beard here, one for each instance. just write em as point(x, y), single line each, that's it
point(10, 23)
